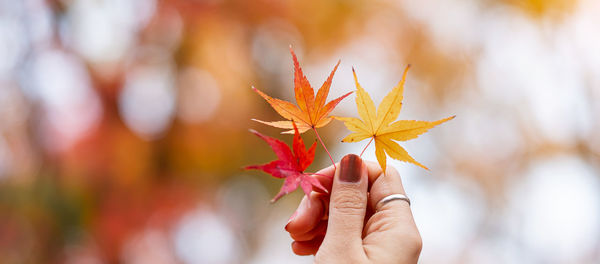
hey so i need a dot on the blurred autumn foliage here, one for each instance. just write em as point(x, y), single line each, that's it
point(124, 124)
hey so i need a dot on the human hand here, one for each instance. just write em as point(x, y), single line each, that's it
point(344, 227)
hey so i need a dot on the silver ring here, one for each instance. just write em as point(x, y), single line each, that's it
point(390, 198)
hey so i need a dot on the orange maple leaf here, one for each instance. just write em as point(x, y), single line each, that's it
point(312, 112)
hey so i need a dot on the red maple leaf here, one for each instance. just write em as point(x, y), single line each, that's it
point(290, 165)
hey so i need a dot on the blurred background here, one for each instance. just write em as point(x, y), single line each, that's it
point(123, 124)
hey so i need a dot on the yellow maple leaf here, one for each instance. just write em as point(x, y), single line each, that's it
point(378, 125)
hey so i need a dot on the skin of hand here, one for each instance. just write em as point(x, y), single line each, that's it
point(343, 226)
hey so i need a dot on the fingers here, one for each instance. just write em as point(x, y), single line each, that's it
point(306, 228)
point(392, 228)
point(304, 248)
point(310, 212)
point(313, 208)
point(308, 224)
point(373, 169)
point(319, 230)
point(384, 185)
point(347, 206)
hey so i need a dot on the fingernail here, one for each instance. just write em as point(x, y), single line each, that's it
point(350, 167)
point(300, 208)
point(291, 218)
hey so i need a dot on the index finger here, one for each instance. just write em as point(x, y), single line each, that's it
point(313, 208)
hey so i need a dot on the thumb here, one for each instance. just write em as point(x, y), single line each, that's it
point(348, 205)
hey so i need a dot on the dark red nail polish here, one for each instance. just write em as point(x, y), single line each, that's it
point(350, 167)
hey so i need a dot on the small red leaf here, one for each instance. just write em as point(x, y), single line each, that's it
point(290, 165)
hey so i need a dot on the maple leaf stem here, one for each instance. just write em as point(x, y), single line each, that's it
point(363, 151)
point(323, 144)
